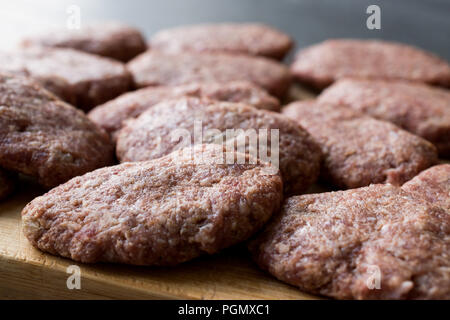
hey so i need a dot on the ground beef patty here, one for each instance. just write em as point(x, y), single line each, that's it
point(112, 114)
point(337, 244)
point(160, 212)
point(176, 123)
point(247, 38)
point(432, 185)
point(359, 150)
point(7, 183)
point(155, 68)
point(326, 62)
point(418, 108)
point(109, 39)
point(82, 79)
point(43, 137)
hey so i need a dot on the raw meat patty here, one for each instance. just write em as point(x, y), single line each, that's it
point(7, 183)
point(246, 38)
point(323, 63)
point(360, 150)
point(160, 212)
point(151, 135)
point(112, 114)
point(43, 137)
point(109, 39)
point(415, 107)
point(155, 68)
point(82, 79)
point(338, 244)
point(432, 185)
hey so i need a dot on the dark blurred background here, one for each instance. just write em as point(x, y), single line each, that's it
point(424, 23)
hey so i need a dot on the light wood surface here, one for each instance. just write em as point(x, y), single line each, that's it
point(26, 273)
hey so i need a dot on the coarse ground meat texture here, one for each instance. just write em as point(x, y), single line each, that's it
point(154, 68)
point(46, 138)
point(82, 79)
point(432, 185)
point(109, 39)
point(174, 124)
point(7, 183)
point(246, 38)
point(338, 244)
point(111, 115)
point(323, 63)
point(160, 212)
point(415, 107)
point(359, 150)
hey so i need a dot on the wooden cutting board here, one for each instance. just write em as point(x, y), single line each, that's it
point(26, 273)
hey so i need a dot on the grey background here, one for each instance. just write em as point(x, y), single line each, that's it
point(425, 23)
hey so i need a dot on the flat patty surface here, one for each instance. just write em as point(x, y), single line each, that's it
point(415, 107)
point(432, 185)
point(82, 79)
point(46, 138)
point(155, 68)
point(111, 115)
point(177, 123)
point(109, 39)
point(323, 63)
point(360, 150)
point(346, 244)
point(161, 212)
point(246, 38)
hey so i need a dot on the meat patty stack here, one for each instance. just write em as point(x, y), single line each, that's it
point(208, 161)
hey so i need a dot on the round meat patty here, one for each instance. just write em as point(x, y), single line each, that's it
point(175, 124)
point(7, 183)
point(246, 38)
point(160, 212)
point(415, 107)
point(323, 63)
point(432, 185)
point(155, 68)
point(84, 80)
point(109, 39)
point(377, 242)
point(111, 115)
point(43, 137)
point(359, 150)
